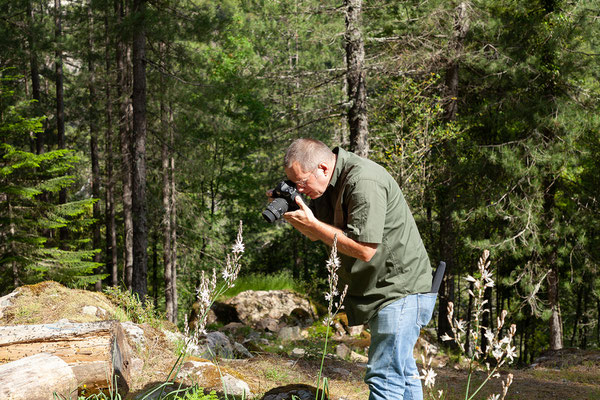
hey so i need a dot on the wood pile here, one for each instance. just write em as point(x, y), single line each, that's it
point(37, 360)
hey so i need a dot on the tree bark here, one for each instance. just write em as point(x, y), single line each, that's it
point(93, 124)
point(95, 351)
point(549, 189)
point(60, 103)
point(111, 230)
point(577, 315)
point(355, 76)
point(166, 200)
point(35, 76)
point(173, 218)
point(140, 234)
point(37, 377)
point(125, 142)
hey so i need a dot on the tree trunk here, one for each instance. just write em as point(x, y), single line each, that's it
point(549, 189)
point(35, 76)
point(468, 318)
point(111, 231)
point(93, 122)
point(577, 315)
point(95, 351)
point(556, 331)
point(58, 70)
point(37, 377)
point(173, 218)
point(124, 135)
point(13, 250)
point(60, 103)
point(355, 76)
point(140, 233)
point(155, 283)
point(166, 191)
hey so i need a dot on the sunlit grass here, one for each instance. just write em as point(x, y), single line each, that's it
point(278, 281)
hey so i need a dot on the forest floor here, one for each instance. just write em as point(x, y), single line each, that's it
point(570, 374)
point(565, 375)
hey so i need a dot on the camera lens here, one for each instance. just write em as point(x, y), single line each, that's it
point(275, 209)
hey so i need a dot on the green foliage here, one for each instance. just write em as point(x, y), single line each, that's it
point(278, 281)
point(134, 309)
point(31, 250)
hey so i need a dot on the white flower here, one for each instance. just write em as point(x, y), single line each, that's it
point(429, 377)
point(445, 337)
point(489, 335)
point(511, 353)
point(237, 248)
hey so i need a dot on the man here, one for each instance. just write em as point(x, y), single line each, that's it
point(384, 261)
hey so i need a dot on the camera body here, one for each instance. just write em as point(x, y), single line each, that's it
point(284, 200)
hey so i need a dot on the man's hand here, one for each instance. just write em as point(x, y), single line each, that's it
point(306, 223)
point(303, 219)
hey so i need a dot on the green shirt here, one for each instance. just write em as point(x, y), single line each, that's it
point(367, 204)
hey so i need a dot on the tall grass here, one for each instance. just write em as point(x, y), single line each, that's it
point(278, 281)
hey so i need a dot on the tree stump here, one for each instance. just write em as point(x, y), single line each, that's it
point(37, 378)
point(96, 352)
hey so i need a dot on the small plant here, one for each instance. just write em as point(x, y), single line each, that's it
point(135, 310)
point(206, 294)
point(333, 307)
point(208, 291)
point(498, 349)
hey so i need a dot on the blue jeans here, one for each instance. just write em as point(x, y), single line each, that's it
point(392, 369)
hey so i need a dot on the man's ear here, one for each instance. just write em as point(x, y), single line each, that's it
point(324, 166)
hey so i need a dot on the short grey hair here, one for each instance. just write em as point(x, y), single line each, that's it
point(309, 153)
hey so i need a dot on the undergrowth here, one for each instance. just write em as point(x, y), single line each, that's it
point(131, 308)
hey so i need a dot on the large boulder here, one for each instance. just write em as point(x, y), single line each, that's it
point(273, 309)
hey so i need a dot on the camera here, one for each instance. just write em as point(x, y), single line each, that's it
point(284, 200)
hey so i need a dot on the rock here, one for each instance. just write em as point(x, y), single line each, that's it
point(216, 344)
point(235, 387)
point(293, 392)
point(211, 377)
point(356, 330)
point(297, 352)
point(134, 333)
point(233, 326)
point(7, 301)
point(274, 306)
point(358, 358)
point(267, 324)
point(241, 351)
point(89, 310)
point(343, 351)
point(290, 334)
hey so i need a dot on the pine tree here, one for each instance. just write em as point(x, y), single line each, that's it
point(30, 223)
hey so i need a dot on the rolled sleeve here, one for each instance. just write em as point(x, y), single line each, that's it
point(366, 212)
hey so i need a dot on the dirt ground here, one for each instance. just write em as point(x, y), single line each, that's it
point(579, 380)
point(565, 375)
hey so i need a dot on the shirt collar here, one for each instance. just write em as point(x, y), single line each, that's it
point(339, 164)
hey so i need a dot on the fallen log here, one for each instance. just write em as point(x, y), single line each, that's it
point(37, 377)
point(96, 352)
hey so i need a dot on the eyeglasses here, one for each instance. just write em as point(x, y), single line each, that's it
point(302, 184)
